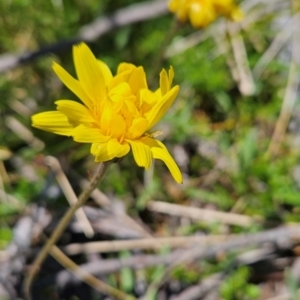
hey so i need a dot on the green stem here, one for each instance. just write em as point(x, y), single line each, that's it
point(56, 234)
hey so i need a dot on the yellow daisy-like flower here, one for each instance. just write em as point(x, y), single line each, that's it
point(202, 12)
point(116, 113)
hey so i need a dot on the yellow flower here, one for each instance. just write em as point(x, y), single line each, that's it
point(202, 12)
point(116, 113)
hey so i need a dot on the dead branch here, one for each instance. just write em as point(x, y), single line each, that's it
point(200, 213)
point(281, 238)
point(147, 243)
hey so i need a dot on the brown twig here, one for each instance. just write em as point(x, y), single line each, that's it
point(102, 200)
point(148, 243)
point(282, 237)
point(60, 229)
point(197, 291)
point(87, 277)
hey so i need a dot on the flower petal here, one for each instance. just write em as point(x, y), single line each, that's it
point(121, 92)
point(138, 128)
point(75, 111)
point(117, 127)
point(72, 84)
point(89, 72)
point(171, 76)
point(125, 68)
point(116, 149)
point(159, 151)
point(200, 15)
point(106, 117)
point(105, 71)
point(165, 80)
point(52, 121)
point(141, 153)
point(85, 134)
point(110, 150)
point(137, 80)
point(164, 155)
point(159, 109)
point(100, 152)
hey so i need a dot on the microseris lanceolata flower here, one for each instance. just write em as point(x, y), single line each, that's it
point(116, 113)
point(202, 12)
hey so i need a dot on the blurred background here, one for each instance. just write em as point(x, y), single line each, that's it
point(234, 131)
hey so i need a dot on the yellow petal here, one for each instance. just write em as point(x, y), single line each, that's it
point(141, 153)
point(105, 71)
point(123, 74)
point(201, 15)
point(165, 81)
point(148, 99)
point(137, 129)
point(75, 111)
point(121, 92)
point(165, 156)
point(125, 68)
point(180, 8)
point(84, 134)
point(132, 109)
point(159, 151)
point(52, 121)
point(117, 126)
point(236, 15)
point(72, 84)
point(173, 5)
point(171, 76)
point(106, 118)
point(137, 80)
point(100, 152)
point(89, 72)
point(158, 111)
point(110, 150)
point(116, 149)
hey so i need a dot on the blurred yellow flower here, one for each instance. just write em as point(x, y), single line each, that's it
point(116, 113)
point(202, 12)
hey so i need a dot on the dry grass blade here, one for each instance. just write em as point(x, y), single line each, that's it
point(200, 214)
point(245, 79)
point(286, 296)
point(148, 243)
point(4, 197)
point(282, 237)
point(24, 133)
point(281, 38)
point(69, 193)
point(290, 95)
point(103, 201)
